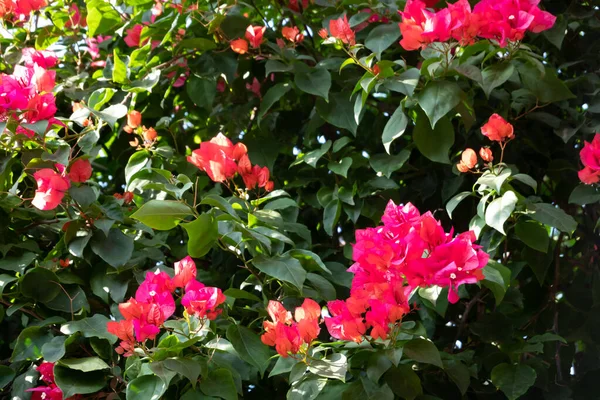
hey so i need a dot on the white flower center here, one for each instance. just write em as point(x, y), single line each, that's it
point(152, 293)
point(452, 276)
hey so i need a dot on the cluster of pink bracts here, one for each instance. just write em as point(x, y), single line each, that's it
point(500, 20)
point(409, 251)
point(153, 304)
point(49, 391)
point(26, 94)
point(590, 157)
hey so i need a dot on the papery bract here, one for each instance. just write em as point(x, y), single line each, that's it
point(51, 189)
point(80, 170)
point(497, 129)
point(185, 271)
point(254, 35)
point(340, 29)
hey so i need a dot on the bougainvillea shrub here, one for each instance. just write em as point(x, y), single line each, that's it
point(301, 199)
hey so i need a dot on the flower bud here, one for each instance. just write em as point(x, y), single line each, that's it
point(486, 154)
point(469, 158)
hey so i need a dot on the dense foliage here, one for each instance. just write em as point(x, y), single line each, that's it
point(299, 199)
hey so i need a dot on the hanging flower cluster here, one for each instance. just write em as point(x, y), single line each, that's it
point(500, 20)
point(409, 251)
point(49, 391)
point(497, 129)
point(153, 304)
point(26, 94)
point(222, 160)
point(590, 157)
point(134, 126)
point(289, 334)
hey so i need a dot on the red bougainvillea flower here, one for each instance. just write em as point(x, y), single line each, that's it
point(239, 46)
point(287, 334)
point(292, 34)
point(215, 158)
point(414, 19)
point(185, 272)
point(134, 119)
point(497, 129)
point(254, 35)
point(75, 19)
point(80, 170)
point(340, 29)
point(51, 189)
point(343, 324)
point(590, 157)
point(295, 5)
point(124, 331)
point(254, 87)
point(486, 154)
point(50, 392)
point(323, 33)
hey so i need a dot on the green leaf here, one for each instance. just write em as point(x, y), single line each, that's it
point(202, 233)
point(100, 97)
point(459, 373)
point(138, 161)
point(146, 387)
point(434, 143)
point(546, 337)
point(162, 215)
point(404, 381)
point(101, 18)
point(220, 203)
point(249, 347)
point(202, 91)
point(495, 75)
point(86, 364)
point(438, 98)
point(219, 384)
point(500, 210)
point(526, 179)
point(90, 327)
point(115, 248)
point(340, 167)
point(513, 380)
point(240, 294)
point(119, 72)
point(423, 351)
point(334, 366)
point(29, 344)
point(495, 181)
point(547, 88)
point(404, 83)
point(584, 194)
point(271, 97)
point(312, 157)
point(552, 216)
point(17, 263)
point(306, 389)
point(189, 368)
point(40, 284)
point(533, 235)
point(331, 215)
point(497, 279)
point(315, 81)
point(382, 37)
point(111, 114)
point(7, 374)
point(339, 111)
point(284, 268)
point(54, 350)
point(556, 34)
point(377, 365)
point(394, 128)
point(23, 382)
point(455, 201)
point(84, 195)
point(323, 287)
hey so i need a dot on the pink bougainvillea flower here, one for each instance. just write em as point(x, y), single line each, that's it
point(185, 271)
point(50, 392)
point(46, 370)
point(43, 58)
point(254, 87)
point(590, 157)
point(133, 37)
point(342, 324)
point(254, 35)
point(295, 5)
point(203, 301)
point(51, 189)
point(340, 29)
point(486, 154)
point(80, 170)
point(497, 129)
point(75, 19)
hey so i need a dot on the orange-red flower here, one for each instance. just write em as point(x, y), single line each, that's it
point(469, 158)
point(292, 34)
point(134, 119)
point(254, 34)
point(52, 187)
point(81, 170)
point(486, 154)
point(497, 129)
point(239, 46)
point(323, 33)
point(340, 29)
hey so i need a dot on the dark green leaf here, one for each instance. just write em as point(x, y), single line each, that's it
point(339, 111)
point(86, 364)
point(334, 366)
point(271, 97)
point(249, 347)
point(340, 167)
point(438, 98)
point(40, 284)
point(219, 384)
point(382, 37)
point(202, 91)
point(284, 268)
point(202, 233)
point(394, 128)
point(29, 343)
point(424, 351)
point(434, 143)
point(513, 380)
point(584, 194)
point(146, 387)
point(533, 235)
point(162, 215)
point(553, 216)
point(316, 81)
point(90, 327)
point(115, 248)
